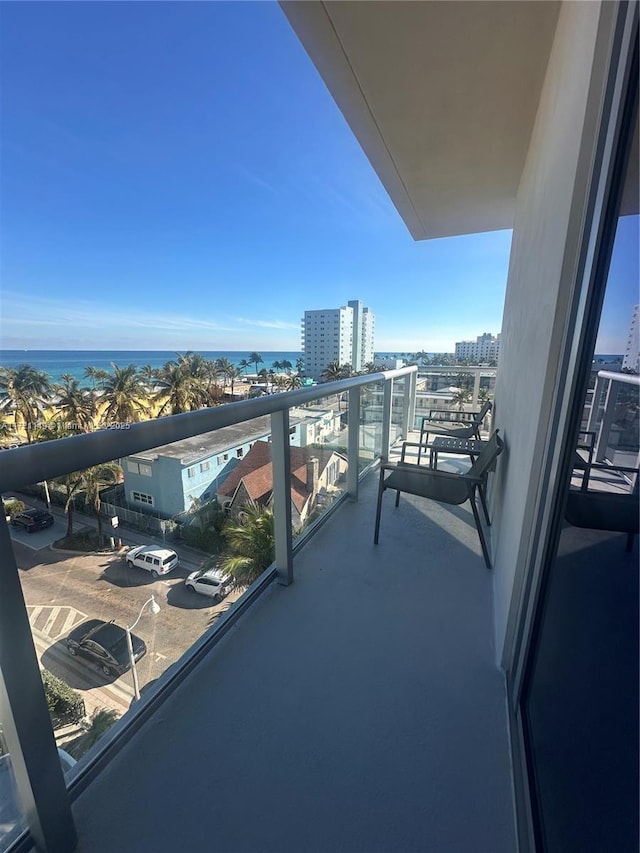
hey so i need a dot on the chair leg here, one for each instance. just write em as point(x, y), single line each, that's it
point(379, 507)
point(483, 543)
point(397, 497)
point(483, 501)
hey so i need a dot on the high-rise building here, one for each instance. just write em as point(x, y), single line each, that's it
point(631, 358)
point(344, 335)
point(484, 348)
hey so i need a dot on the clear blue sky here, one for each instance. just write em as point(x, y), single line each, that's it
point(176, 176)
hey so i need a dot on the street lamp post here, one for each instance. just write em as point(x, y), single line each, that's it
point(154, 608)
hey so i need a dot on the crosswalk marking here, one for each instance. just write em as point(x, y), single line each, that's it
point(59, 619)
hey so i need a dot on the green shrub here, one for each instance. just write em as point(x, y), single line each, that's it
point(101, 721)
point(12, 506)
point(65, 704)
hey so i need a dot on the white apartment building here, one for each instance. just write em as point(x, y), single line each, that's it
point(631, 358)
point(484, 348)
point(344, 335)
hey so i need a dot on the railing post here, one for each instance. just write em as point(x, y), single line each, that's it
point(607, 420)
point(476, 388)
point(25, 717)
point(411, 418)
point(281, 467)
point(353, 443)
point(408, 404)
point(595, 403)
point(387, 397)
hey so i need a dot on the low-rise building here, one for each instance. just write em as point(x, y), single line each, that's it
point(315, 477)
point(173, 478)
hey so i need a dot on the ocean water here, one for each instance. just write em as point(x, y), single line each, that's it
point(57, 362)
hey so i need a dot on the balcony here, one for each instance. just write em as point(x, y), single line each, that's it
point(349, 700)
point(363, 698)
point(359, 708)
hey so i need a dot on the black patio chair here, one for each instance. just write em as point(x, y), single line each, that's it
point(457, 425)
point(443, 486)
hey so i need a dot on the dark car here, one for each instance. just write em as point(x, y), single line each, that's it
point(105, 644)
point(33, 519)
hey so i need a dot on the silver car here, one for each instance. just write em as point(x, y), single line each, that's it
point(211, 582)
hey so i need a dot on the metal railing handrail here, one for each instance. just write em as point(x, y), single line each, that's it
point(628, 378)
point(33, 463)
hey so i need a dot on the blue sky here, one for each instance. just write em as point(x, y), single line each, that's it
point(176, 176)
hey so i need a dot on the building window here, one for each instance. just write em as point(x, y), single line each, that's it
point(145, 470)
point(191, 472)
point(141, 498)
point(223, 458)
point(132, 467)
point(239, 453)
point(204, 466)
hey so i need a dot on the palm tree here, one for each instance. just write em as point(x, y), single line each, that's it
point(333, 372)
point(461, 396)
point(293, 382)
point(255, 358)
point(25, 392)
point(149, 374)
point(281, 382)
point(94, 480)
point(277, 365)
point(95, 374)
point(8, 432)
point(72, 484)
point(76, 406)
point(233, 375)
point(250, 544)
point(244, 364)
point(300, 365)
point(176, 390)
point(286, 366)
point(125, 395)
point(224, 366)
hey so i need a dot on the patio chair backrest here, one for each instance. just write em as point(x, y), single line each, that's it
point(485, 461)
point(486, 408)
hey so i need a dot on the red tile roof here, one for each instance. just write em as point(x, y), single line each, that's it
point(256, 473)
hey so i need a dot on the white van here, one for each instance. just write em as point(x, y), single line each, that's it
point(158, 561)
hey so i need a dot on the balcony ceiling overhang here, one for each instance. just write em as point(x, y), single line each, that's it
point(442, 96)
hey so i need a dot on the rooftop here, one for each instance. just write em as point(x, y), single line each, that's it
point(190, 450)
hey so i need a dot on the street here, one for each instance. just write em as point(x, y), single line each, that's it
point(62, 590)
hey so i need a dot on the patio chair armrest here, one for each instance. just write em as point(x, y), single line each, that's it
point(406, 444)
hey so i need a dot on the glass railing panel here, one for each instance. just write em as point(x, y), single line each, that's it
point(159, 530)
point(320, 462)
point(371, 418)
point(145, 543)
point(12, 819)
point(621, 443)
point(397, 410)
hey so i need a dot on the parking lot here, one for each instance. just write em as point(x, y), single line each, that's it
point(63, 589)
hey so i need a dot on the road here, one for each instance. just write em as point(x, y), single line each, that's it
point(62, 589)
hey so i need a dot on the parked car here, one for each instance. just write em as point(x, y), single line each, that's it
point(33, 519)
point(158, 561)
point(105, 644)
point(209, 582)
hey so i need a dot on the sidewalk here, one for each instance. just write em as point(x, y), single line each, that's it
point(189, 557)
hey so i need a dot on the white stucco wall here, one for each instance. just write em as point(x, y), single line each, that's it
point(541, 275)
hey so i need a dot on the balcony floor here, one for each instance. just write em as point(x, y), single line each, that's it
point(359, 709)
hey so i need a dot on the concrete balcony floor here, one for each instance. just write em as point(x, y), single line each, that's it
point(359, 709)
